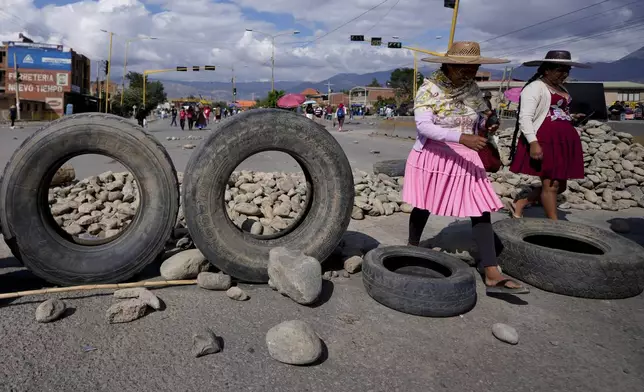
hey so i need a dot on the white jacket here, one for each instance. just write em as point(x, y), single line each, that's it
point(535, 105)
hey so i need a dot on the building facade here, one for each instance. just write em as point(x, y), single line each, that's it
point(44, 77)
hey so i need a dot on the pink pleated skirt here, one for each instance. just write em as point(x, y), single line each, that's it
point(448, 179)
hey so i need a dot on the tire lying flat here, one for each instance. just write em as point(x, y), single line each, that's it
point(392, 168)
point(618, 272)
point(326, 168)
point(47, 250)
point(413, 280)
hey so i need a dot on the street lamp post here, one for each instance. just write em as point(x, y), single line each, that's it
point(272, 37)
point(127, 46)
point(107, 76)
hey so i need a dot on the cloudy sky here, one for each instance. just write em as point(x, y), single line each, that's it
point(203, 32)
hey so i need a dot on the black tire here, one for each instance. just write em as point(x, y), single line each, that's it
point(47, 250)
point(616, 273)
point(327, 170)
point(446, 288)
point(392, 168)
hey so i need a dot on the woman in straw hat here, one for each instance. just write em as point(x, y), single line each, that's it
point(444, 174)
point(549, 145)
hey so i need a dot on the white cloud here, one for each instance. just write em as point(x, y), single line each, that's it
point(203, 32)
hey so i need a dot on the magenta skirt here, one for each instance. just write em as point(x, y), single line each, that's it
point(448, 179)
point(563, 156)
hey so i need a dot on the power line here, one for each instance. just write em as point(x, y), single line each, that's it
point(383, 17)
point(620, 29)
point(346, 23)
point(563, 39)
point(544, 21)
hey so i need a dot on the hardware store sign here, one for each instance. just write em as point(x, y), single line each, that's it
point(38, 85)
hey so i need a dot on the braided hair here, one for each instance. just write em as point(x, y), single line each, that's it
point(541, 71)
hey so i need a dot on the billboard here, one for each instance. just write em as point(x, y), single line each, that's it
point(39, 85)
point(35, 45)
point(40, 59)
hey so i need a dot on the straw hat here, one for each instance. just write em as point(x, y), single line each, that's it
point(464, 52)
point(556, 57)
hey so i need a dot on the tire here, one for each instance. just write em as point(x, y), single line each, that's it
point(617, 273)
point(392, 168)
point(325, 166)
point(448, 287)
point(47, 250)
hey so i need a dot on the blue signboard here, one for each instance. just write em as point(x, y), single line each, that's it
point(33, 58)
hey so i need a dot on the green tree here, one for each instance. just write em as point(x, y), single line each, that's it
point(402, 80)
point(382, 102)
point(133, 95)
point(374, 83)
point(271, 99)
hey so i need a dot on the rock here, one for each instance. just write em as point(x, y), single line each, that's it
point(505, 333)
point(205, 343)
point(65, 174)
point(126, 311)
point(353, 264)
point(237, 294)
point(50, 310)
point(213, 281)
point(150, 299)
point(294, 342)
point(406, 208)
point(295, 275)
point(620, 226)
point(184, 265)
point(357, 213)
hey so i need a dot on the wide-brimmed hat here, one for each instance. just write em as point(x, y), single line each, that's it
point(562, 57)
point(464, 52)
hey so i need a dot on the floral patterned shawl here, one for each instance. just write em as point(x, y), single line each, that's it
point(439, 95)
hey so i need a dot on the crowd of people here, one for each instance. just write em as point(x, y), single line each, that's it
point(198, 116)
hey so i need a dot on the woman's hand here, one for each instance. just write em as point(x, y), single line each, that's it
point(492, 128)
point(474, 142)
point(535, 151)
point(578, 116)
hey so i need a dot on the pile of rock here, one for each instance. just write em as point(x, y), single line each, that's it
point(614, 168)
point(98, 206)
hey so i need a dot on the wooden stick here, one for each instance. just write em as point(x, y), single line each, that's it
point(156, 283)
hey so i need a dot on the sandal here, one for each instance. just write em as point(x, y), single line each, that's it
point(502, 288)
point(513, 211)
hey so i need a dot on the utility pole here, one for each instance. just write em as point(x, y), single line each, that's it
point(453, 4)
point(15, 69)
point(328, 86)
point(232, 68)
point(98, 85)
point(273, 64)
point(107, 77)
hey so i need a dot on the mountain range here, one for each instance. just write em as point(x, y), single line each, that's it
point(628, 68)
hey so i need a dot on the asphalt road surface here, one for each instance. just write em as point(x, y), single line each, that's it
point(566, 344)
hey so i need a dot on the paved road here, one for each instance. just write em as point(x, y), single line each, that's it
point(566, 344)
point(359, 146)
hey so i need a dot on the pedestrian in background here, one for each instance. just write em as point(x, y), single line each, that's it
point(13, 114)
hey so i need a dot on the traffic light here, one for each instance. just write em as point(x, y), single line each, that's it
point(107, 67)
point(357, 38)
point(449, 3)
point(182, 69)
point(209, 67)
point(394, 45)
point(376, 41)
point(235, 91)
point(195, 68)
point(17, 73)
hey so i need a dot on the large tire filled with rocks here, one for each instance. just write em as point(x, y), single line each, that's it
point(52, 253)
point(571, 258)
point(324, 218)
point(392, 167)
point(419, 281)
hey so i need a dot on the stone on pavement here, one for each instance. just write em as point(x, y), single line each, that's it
point(353, 264)
point(184, 265)
point(214, 281)
point(126, 311)
point(237, 294)
point(505, 333)
point(50, 310)
point(205, 343)
point(295, 275)
point(294, 342)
